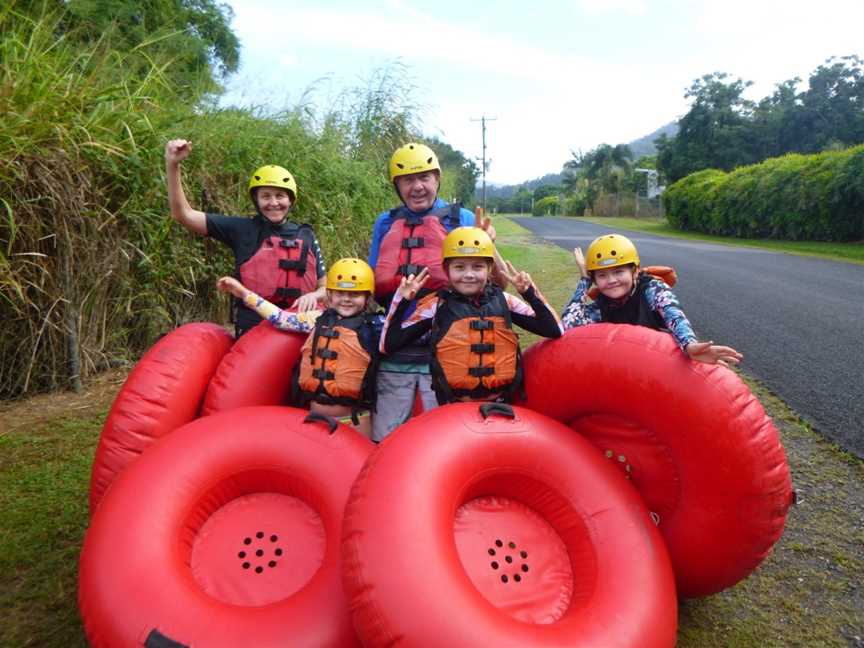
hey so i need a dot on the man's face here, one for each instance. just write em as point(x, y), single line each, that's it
point(418, 190)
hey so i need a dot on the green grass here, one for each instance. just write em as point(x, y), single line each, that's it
point(806, 593)
point(853, 252)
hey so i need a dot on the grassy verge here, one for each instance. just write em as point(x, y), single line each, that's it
point(853, 252)
point(808, 592)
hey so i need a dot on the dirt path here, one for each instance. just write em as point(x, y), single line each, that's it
point(28, 413)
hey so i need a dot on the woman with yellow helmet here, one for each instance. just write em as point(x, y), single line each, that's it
point(336, 371)
point(474, 350)
point(277, 258)
point(629, 296)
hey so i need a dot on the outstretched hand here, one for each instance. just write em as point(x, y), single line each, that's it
point(177, 150)
point(486, 226)
point(711, 353)
point(231, 285)
point(580, 262)
point(411, 285)
point(520, 279)
point(306, 302)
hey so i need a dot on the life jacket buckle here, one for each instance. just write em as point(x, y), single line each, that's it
point(321, 374)
point(289, 243)
point(480, 372)
point(413, 242)
point(329, 333)
point(482, 325)
point(410, 269)
point(327, 354)
point(482, 347)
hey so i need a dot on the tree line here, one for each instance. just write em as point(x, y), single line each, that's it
point(722, 130)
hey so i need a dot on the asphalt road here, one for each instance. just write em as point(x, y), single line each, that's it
point(799, 321)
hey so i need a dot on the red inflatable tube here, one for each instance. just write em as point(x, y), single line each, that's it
point(162, 392)
point(691, 438)
point(470, 528)
point(225, 534)
point(257, 371)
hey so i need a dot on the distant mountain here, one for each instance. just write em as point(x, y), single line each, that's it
point(640, 147)
point(505, 191)
point(645, 145)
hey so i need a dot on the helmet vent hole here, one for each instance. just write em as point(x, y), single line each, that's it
point(429, 161)
point(257, 177)
point(401, 166)
point(613, 253)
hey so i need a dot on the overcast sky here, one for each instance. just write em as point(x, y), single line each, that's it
point(558, 76)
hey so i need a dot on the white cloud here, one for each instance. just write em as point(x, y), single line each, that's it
point(630, 7)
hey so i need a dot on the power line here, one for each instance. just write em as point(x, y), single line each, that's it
point(483, 121)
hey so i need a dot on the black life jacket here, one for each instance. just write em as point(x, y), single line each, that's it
point(635, 310)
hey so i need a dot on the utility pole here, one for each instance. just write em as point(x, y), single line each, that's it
point(483, 121)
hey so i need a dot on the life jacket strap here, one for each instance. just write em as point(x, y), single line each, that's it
point(479, 372)
point(329, 333)
point(288, 243)
point(320, 374)
point(327, 354)
point(288, 293)
point(287, 264)
point(482, 325)
point(482, 348)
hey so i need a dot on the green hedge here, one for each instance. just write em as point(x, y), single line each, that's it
point(795, 197)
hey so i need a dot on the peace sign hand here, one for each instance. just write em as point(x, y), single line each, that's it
point(411, 285)
point(520, 279)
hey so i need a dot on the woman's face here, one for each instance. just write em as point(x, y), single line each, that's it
point(616, 283)
point(273, 203)
point(468, 275)
point(347, 302)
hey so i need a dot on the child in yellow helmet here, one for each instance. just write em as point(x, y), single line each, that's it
point(336, 370)
point(474, 351)
point(629, 296)
point(275, 257)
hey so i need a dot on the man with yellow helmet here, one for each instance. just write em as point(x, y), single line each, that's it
point(277, 258)
point(336, 370)
point(629, 296)
point(405, 240)
point(469, 324)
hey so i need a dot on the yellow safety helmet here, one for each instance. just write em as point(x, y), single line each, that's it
point(413, 158)
point(273, 176)
point(353, 275)
point(467, 242)
point(610, 251)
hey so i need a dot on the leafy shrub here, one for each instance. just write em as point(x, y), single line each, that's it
point(795, 197)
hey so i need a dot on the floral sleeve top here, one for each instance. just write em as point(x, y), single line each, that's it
point(582, 311)
point(281, 319)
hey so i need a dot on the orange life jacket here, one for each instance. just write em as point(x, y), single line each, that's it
point(337, 362)
point(412, 243)
point(284, 267)
point(475, 352)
